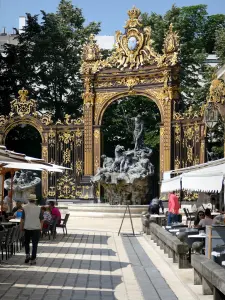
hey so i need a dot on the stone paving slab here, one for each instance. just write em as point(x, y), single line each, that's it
point(151, 282)
point(81, 265)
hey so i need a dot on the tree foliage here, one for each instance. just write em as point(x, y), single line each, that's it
point(220, 44)
point(197, 39)
point(47, 60)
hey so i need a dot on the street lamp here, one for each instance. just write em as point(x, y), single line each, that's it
point(211, 115)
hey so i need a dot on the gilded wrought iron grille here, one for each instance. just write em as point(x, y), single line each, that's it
point(65, 147)
point(189, 142)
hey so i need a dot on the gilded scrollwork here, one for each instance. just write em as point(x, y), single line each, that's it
point(217, 91)
point(79, 137)
point(177, 133)
point(79, 167)
point(66, 186)
point(189, 154)
point(66, 137)
point(132, 49)
point(46, 119)
point(66, 156)
point(189, 132)
point(45, 153)
point(96, 135)
point(190, 113)
point(22, 106)
point(177, 163)
point(69, 121)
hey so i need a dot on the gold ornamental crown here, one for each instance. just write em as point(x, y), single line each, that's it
point(23, 94)
point(134, 13)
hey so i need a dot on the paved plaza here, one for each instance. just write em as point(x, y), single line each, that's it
point(94, 264)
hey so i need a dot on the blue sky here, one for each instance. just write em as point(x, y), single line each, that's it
point(111, 13)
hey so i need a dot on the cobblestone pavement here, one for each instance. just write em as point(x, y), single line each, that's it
point(85, 265)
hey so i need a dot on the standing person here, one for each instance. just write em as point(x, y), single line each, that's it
point(155, 205)
point(54, 211)
point(173, 208)
point(31, 222)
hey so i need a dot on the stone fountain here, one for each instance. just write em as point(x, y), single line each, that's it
point(126, 178)
point(24, 183)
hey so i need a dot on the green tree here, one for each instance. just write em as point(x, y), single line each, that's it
point(47, 59)
point(220, 44)
point(197, 39)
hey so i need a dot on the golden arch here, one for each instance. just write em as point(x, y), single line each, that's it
point(131, 70)
point(36, 123)
point(98, 120)
point(18, 121)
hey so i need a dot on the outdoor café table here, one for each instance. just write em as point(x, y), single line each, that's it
point(197, 236)
point(15, 221)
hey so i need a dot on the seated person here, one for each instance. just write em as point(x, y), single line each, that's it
point(46, 215)
point(155, 205)
point(18, 213)
point(54, 211)
point(207, 220)
point(199, 217)
point(18, 208)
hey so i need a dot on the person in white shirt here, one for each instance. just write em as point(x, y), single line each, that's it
point(207, 220)
point(31, 223)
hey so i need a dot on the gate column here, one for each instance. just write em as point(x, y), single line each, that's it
point(88, 98)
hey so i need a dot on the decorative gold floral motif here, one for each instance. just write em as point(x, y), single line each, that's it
point(196, 160)
point(97, 163)
point(103, 97)
point(79, 136)
point(66, 156)
point(67, 186)
point(177, 163)
point(171, 42)
point(130, 82)
point(22, 106)
point(79, 167)
point(189, 132)
point(66, 137)
point(46, 119)
point(69, 121)
point(189, 154)
point(96, 135)
point(51, 191)
point(217, 91)
point(190, 113)
point(177, 133)
point(45, 153)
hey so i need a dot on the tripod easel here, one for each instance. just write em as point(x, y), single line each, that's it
point(127, 208)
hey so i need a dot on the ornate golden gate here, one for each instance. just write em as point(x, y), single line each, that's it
point(62, 144)
point(134, 68)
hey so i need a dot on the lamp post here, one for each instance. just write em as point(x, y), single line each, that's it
point(211, 116)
